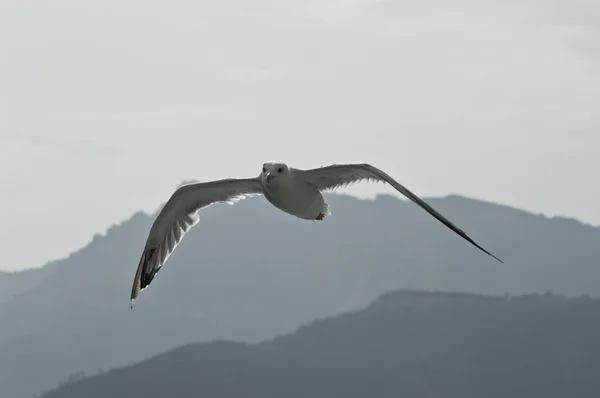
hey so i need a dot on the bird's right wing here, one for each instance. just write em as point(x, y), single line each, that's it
point(178, 215)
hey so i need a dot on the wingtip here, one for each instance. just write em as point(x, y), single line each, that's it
point(132, 299)
point(497, 258)
point(137, 281)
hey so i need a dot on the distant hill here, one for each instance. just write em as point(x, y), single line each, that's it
point(250, 272)
point(13, 283)
point(406, 344)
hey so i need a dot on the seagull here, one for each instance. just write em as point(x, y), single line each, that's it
point(294, 191)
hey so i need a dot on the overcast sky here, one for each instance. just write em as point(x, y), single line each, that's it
point(106, 108)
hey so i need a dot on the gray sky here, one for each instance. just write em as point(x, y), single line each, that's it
point(106, 108)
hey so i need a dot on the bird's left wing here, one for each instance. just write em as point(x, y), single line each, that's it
point(339, 175)
point(178, 215)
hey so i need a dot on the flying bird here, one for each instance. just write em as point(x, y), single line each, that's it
point(294, 191)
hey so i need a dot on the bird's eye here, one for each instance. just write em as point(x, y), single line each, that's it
point(279, 170)
point(264, 169)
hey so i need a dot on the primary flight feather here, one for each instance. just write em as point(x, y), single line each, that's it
point(294, 191)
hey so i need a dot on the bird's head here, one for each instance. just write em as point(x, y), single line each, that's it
point(273, 171)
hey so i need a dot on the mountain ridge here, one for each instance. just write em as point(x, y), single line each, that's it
point(377, 197)
point(421, 343)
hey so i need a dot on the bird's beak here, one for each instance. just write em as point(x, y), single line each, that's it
point(269, 177)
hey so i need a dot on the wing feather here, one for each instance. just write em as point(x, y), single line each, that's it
point(341, 175)
point(179, 215)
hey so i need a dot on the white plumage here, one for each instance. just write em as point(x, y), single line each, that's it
point(294, 191)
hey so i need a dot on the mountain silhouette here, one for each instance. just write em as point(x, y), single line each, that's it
point(250, 272)
point(409, 344)
point(13, 283)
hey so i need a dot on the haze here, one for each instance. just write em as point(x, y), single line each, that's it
point(106, 108)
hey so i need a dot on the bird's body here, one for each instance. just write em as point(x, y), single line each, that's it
point(297, 197)
point(293, 191)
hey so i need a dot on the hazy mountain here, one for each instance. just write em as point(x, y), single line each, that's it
point(250, 272)
point(405, 344)
point(13, 283)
